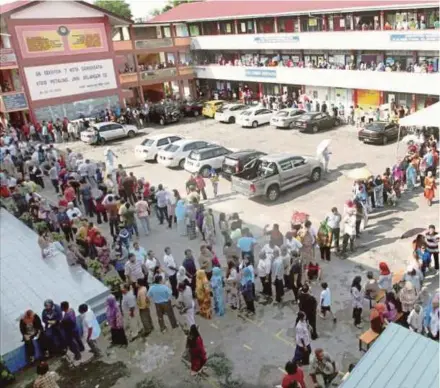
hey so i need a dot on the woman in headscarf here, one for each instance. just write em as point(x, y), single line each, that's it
point(180, 212)
point(247, 289)
point(377, 319)
point(385, 280)
point(430, 187)
point(357, 300)
point(190, 217)
point(115, 321)
point(182, 275)
point(197, 352)
point(324, 240)
point(408, 297)
point(232, 285)
point(303, 340)
point(308, 240)
point(30, 328)
point(186, 303)
point(218, 291)
point(411, 176)
point(200, 216)
point(203, 294)
point(209, 227)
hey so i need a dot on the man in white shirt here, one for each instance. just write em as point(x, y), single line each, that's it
point(91, 329)
point(162, 202)
point(83, 168)
point(292, 243)
point(170, 269)
point(326, 302)
point(73, 212)
point(133, 270)
point(150, 265)
point(130, 312)
point(278, 275)
point(91, 171)
point(139, 252)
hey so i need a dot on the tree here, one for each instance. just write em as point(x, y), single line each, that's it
point(171, 4)
point(118, 7)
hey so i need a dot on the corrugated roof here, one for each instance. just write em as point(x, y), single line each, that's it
point(223, 9)
point(399, 358)
point(8, 7)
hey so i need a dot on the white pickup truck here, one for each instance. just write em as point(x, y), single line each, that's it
point(270, 175)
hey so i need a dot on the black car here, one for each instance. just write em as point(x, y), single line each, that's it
point(164, 113)
point(314, 122)
point(235, 162)
point(191, 108)
point(379, 132)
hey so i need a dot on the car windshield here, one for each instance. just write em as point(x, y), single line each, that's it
point(282, 113)
point(247, 113)
point(148, 142)
point(376, 127)
point(171, 148)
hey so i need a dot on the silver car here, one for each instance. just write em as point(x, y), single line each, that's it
point(286, 117)
point(270, 175)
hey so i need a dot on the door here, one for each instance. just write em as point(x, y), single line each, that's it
point(106, 132)
point(391, 131)
point(219, 156)
point(285, 169)
point(300, 167)
point(116, 131)
point(162, 143)
point(266, 115)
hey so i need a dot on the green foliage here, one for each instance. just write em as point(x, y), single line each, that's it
point(40, 226)
point(96, 268)
point(114, 283)
point(5, 375)
point(171, 4)
point(118, 7)
point(9, 205)
point(57, 237)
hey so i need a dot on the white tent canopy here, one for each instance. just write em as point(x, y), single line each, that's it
point(428, 117)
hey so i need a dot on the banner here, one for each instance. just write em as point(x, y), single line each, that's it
point(67, 79)
point(54, 40)
point(7, 57)
point(263, 73)
point(14, 102)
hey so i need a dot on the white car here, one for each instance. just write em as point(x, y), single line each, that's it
point(207, 159)
point(151, 146)
point(254, 117)
point(229, 113)
point(107, 131)
point(173, 155)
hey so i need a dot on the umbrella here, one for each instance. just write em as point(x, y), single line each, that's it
point(299, 218)
point(322, 146)
point(412, 139)
point(359, 174)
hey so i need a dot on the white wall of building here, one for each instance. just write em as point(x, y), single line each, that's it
point(428, 40)
point(57, 10)
point(345, 79)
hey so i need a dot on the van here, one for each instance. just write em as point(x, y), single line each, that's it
point(210, 107)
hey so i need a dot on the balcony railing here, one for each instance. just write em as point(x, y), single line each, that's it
point(153, 75)
point(421, 40)
point(128, 78)
point(149, 44)
point(186, 70)
point(182, 41)
point(8, 59)
point(403, 82)
point(13, 101)
point(123, 45)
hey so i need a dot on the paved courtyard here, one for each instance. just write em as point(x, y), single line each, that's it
point(252, 352)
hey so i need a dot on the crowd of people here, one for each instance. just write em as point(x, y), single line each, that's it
point(286, 264)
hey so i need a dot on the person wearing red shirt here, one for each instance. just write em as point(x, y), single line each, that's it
point(62, 202)
point(200, 182)
point(70, 195)
point(294, 373)
point(25, 130)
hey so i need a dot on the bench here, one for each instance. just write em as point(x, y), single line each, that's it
point(367, 338)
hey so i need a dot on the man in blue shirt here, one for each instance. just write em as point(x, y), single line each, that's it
point(160, 294)
point(246, 245)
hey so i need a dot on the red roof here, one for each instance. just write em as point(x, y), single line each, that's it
point(8, 7)
point(222, 9)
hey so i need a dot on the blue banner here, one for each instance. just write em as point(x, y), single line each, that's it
point(263, 73)
point(414, 37)
point(14, 102)
point(277, 39)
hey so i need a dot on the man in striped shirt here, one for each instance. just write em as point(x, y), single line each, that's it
point(133, 271)
point(432, 240)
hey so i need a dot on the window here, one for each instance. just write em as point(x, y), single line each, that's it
point(115, 126)
point(205, 155)
point(171, 148)
point(174, 138)
point(182, 30)
point(298, 161)
point(201, 144)
point(194, 30)
point(148, 142)
point(220, 152)
point(191, 146)
point(166, 32)
point(162, 142)
point(285, 164)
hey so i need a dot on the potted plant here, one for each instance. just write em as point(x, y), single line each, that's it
point(114, 283)
point(6, 377)
point(26, 218)
point(96, 268)
point(40, 226)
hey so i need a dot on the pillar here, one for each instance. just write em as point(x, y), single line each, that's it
point(414, 103)
point(414, 57)
point(381, 98)
point(299, 23)
point(260, 90)
point(172, 31)
point(236, 26)
point(275, 25)
point(255, 27)
point(352, 22)
point(355, 97)
point(325, 23)
point(181, 90)
point(202, 31)
point(382, 20)
point(141, 94)
point(218, 28)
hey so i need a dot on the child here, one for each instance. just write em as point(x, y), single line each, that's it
point(425, 257)
point(214, 181)
point(326, 301)
point(124, 236)
point(392, 198)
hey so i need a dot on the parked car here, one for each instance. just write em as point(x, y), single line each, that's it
point(210, 107)
point(285, 118)
point(151, 146)
point(100, 133)
point(270, 175)
point(191, 108)
point(254, 117)
point(235, 162)
point(174, 155)
point(207, 159)
point(229, 113)
point(164, 113)
point(314, 122)
point(379, 132)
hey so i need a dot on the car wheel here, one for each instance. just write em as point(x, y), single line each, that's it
point(316, 175)
point(131, 134)
point(182, 164)
point(291, 125)
point(385, 140)
point(231, 120)
point(315, 129)
point(205, 171)
point(162, 121)
point(273, 192)
point(101, 141)
point(196, 113)
point(255, 124)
